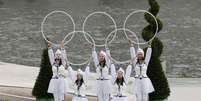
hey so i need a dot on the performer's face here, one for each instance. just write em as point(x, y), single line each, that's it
point(57, 60)
point(57, 55)
point(120, 75)
point(79, 76)
point(140, 56)
point(101, 57)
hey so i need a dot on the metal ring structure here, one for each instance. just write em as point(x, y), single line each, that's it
point(143, 11)
point(85, 33)
point(53, 12)
point(99, 12)
point(106, 44)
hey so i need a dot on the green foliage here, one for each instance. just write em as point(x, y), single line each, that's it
point(155, 71)
point(43, 79)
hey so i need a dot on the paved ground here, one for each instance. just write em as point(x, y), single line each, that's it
point(18, 80)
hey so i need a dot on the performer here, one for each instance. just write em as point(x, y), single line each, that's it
point(120, 80)
point(80, 79)
point(58, 85)
point(142, 83)
point(102, 65)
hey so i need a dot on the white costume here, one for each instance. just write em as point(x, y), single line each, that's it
point(58, 85)
point(120, 89)
point(103, 82)
point(79, 94)
point(142, 83)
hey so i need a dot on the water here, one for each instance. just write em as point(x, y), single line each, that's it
point(21, 41)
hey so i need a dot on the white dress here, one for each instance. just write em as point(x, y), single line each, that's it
point(120, 91)
point(79, 95)
point(142, 83)
point(58, 85)
point(104, 84)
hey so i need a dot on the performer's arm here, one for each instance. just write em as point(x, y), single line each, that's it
point(113, 73)
point(63, 54)
point(50, 53)
point(95, 58)
point(133, 55)
point(86, 73)
point(71, 73)
point(148, 55)
point(128, 73)
point(108, 58)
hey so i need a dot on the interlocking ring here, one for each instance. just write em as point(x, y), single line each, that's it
point(53, 12)
point(85, 33)
point(124, 29)
point(143, 11)
point(115, 25)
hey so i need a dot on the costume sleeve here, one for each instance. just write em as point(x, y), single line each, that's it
point(113, 73)
point(86, 73)
point(63, 56)
point(148, 56)
point(128, 72)
point(72, 73)
point(51, 55)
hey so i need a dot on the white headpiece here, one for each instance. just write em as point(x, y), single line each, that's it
point(121, 70)
point(79, 71)
point(58, 53)
point(140, 51)
point(102, 52)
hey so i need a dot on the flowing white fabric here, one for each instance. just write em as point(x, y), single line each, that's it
point(142, 84)
point(103, 88)
point(58, 85)
point(73, 76)
point(120, 90)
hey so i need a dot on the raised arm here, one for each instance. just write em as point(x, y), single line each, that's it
point(133, 55)
point(72, 73)
point(113, 73)
point(95, 58)
point(128, 72)
point(108, 58)
point(86, 73)
point(148, 55)
point(63, 54)
point(50, 53)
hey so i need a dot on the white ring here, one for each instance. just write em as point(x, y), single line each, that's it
point(115, 25)
point(133, 33)
point(144, 11)
point(73, 32)
point(45, 18)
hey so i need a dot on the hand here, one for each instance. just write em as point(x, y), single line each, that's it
point(130, 42)
point(62, 44)
point(149, 44)
point(49, 44)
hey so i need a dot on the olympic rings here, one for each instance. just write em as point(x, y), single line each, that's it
point(106, 40)
point(143, 11)
point(115, 25)
point(106, 44)
point(85, 33)
point(53, 12)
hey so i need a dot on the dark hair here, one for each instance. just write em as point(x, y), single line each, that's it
point(120, 82)
point(60, 62)
point(138, 61)
point(102, 64)
point(79, 82)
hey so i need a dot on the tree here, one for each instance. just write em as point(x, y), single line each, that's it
point(43, 79)
point(155, 70)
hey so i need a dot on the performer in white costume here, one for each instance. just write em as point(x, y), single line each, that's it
point(142, 83)
point(58, 85)
point(120, 80)
point(79, 79)
point(102, 69)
